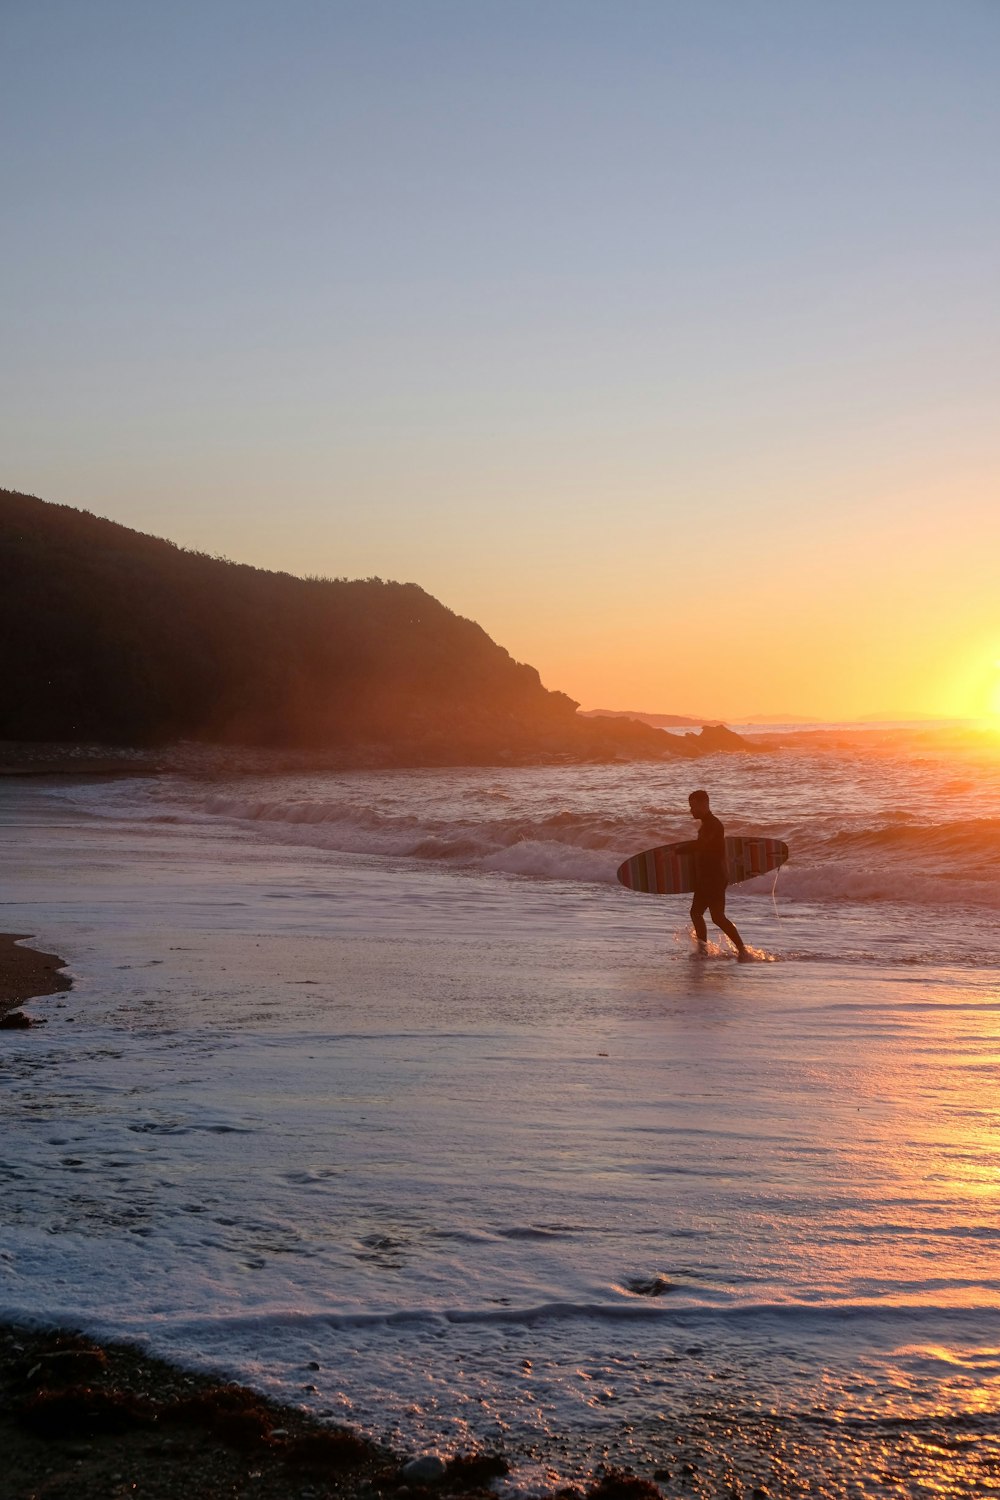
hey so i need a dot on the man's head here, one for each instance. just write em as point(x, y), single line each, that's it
point(698, 803)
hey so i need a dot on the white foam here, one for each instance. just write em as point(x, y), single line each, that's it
point(850, 839)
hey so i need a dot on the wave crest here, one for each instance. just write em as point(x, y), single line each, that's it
point(899, 859)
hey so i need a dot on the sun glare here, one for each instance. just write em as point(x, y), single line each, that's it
point(975, 688)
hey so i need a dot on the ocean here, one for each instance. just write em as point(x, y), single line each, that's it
point(377, 1092)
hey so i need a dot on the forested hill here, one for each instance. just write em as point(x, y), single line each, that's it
point(113, 636)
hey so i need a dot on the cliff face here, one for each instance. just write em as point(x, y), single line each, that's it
point(111, 635)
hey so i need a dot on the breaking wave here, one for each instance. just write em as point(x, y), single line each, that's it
point(896, 860)
point(971, 841)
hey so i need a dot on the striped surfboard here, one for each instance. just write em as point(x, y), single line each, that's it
point(667, 872)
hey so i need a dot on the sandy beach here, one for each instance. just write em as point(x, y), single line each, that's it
point(26, 973)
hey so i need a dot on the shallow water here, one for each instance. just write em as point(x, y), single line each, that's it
point(494, 1150)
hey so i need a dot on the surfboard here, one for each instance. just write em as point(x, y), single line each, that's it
point(665, 871)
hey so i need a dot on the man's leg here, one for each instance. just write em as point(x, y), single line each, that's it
point(717, 911)
point(698, 906)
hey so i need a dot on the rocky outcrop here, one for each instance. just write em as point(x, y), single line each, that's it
point(713, 739)
point(121, 639)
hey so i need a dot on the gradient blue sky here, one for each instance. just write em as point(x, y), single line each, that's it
point(662, 339)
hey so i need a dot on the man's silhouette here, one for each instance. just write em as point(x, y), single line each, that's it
point(710, 875)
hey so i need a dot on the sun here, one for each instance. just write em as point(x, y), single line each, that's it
point(973, 691)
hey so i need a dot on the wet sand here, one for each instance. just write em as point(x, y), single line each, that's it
point(26, 973)
point(83, 1420)
point(86, 1421)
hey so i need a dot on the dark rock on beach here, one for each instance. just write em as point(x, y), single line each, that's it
point(16, 1020)
point(622, 1484)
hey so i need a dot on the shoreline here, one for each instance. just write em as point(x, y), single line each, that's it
point(89, 1419)
point(81, 1418)
point(84, 1419)
point(96, 1419)
point(26, 974)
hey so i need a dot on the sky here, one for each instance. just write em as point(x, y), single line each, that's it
point(662, 339)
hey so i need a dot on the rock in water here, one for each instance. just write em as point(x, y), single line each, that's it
point(429, 1468)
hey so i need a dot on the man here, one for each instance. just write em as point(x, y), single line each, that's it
point(710, 875)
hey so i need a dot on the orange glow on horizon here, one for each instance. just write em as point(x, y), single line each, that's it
point(810, 658)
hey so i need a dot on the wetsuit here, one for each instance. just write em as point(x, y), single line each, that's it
point(710, 880)
point(710, 874)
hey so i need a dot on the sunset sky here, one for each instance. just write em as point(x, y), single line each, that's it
point(661, 337)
